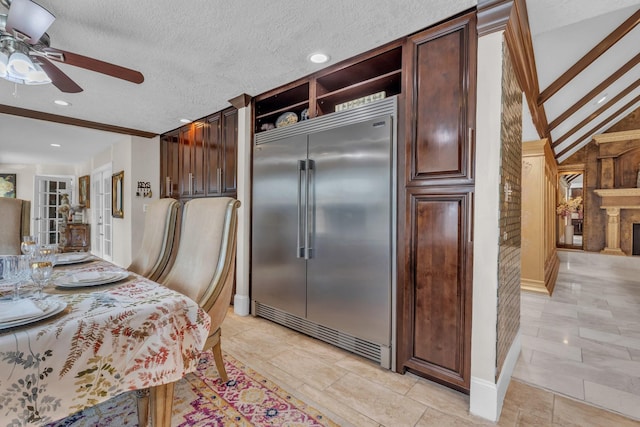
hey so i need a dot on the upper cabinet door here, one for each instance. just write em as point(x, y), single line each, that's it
point(214, 167)
point(440, 103)
point(228, 153)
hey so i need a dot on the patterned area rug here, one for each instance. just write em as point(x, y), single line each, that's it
point(202, 399)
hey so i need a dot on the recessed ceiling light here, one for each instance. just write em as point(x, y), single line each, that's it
point(185, 121)
point(55, 145)
point(318, 58)
point(62, 102)
point(601, 99)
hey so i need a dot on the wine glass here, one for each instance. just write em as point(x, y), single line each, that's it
point(41, 270)
point(8, 272)
point(46, 250)
point(28, 245)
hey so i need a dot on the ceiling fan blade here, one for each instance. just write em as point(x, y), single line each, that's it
point(95, 65)
point(58, 78)
point(28, 20)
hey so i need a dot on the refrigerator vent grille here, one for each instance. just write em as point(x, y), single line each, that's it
point(348, 342)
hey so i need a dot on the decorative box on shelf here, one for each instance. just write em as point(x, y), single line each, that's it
point(359, 102)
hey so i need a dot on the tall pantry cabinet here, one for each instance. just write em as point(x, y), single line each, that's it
point(435, 203)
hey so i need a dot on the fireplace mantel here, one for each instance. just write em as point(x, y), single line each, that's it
point(613, 200)
point(623, 198)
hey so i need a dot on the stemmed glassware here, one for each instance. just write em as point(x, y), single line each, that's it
point(41, 270)
point(28, 245)
point(15, 271)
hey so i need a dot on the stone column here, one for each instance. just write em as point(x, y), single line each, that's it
point(613, 233)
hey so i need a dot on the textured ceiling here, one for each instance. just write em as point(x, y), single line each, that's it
point(197, 55)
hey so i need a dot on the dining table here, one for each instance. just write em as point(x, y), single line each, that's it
point(102, 331)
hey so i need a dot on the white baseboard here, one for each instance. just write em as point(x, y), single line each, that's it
point(241, 304)
point(485, 397)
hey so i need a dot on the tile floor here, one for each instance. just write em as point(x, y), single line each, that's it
point(584, 341)
point(356, 392)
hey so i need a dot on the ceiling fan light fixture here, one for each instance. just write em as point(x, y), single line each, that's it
point(37, 77)
point(20, 65)
point(29, 19)
point(4, 61)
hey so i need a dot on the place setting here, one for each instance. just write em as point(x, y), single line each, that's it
point(15, 272)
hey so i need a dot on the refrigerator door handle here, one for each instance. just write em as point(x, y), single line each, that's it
point(308, 223)
point(300, 249)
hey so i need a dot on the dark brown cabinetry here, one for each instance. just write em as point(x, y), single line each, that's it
point(76, 238)
point(433, 72)
point(199, 159)
point(377, 71)
point(436, 204)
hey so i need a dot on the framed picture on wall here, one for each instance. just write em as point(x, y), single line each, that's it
point(8, 185)
point(83, 191)
point(117, 183)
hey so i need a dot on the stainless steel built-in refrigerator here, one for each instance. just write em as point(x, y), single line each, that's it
point(322, 234)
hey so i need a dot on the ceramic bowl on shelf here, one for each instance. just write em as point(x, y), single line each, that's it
point(286, 119)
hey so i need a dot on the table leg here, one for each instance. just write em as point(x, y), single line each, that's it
point(161, 405)
point(143, 407)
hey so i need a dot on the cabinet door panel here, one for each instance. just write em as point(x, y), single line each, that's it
point(169, 165)
point(437, 291)
point(185, 160)
point(229, 153)
point(441, 109)
point(199, 152)
point(213, 156)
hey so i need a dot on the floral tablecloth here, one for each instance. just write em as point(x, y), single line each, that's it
point(110, 339)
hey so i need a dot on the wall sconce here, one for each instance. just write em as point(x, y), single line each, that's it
point(144, 189)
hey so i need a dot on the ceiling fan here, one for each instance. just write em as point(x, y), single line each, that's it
point(26, 52)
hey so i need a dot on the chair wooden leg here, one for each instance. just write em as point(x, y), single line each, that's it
point(161, 405)
point(217, 357)
point(143, 407)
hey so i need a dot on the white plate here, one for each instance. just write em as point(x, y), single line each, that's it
point(72, 258)
point(91, 278)
point(50, 307)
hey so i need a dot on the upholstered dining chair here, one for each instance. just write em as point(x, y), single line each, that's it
point(16, 222)
point(159, 239)
point(203, 270)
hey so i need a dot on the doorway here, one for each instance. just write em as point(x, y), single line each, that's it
point(101, 237)
point(48, 192)
point(570, 209)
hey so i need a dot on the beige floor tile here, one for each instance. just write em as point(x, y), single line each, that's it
point(556, 381)
point(441, 398)
point(530, 400)
point(371, 371)
point(321, 350)
point(616, 400)
point(377, 402)
point(568, 412)
point(435, 418)
point(313, 371)
point(347, 413)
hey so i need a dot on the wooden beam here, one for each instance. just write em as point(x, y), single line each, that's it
point(520, 45)
point(596, 113)
point(590, 57)
point(591, 131)
point(595, 91)
point(38, 115)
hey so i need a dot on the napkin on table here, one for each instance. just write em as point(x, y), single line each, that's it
point(18, 309)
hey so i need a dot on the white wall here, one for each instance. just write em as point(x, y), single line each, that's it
point(139, 158)
point(483, 398)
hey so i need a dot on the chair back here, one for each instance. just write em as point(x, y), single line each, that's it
point(16, 222)
point(159, 239)
point(205, 263)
